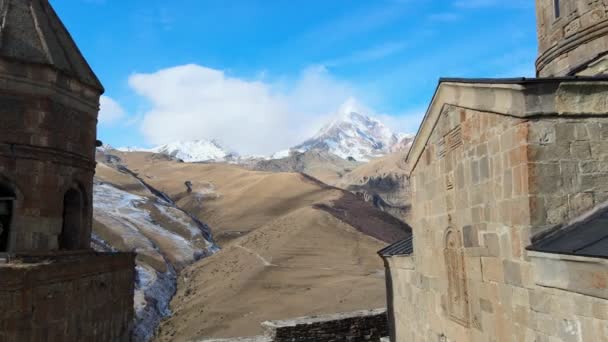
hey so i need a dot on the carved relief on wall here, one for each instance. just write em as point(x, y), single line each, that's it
point(458, 297)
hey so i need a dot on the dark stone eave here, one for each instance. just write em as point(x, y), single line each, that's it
point(576, 229)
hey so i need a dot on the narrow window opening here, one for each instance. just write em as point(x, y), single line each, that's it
point(72, 220)
point(556, 8)
point(7, 198)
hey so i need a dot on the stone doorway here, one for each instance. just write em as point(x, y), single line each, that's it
point(73, 207)
point(7, 197)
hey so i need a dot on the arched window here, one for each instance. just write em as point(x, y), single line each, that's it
point(73, 212)
point(7, 198)
point(556, 8)
point(458, 298)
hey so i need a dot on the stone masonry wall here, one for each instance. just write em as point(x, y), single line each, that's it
point(573, 39)
point(489, 179)
point(84, 297)
point(568, 163)
point(358, 326)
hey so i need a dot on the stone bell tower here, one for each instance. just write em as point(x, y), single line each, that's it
point(49, 100)
point(53, 286)
point(572, 37)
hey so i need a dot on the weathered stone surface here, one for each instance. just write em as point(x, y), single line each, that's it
point(77, 297)
point(368, 325)
point(573, 40)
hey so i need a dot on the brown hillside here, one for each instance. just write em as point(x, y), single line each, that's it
point(281, 257)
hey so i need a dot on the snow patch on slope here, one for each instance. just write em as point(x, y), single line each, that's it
point(190, 151)
point(125, 215)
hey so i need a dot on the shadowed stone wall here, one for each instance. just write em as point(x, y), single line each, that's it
point(359, 326)
point(355, 326)
point(81, 297)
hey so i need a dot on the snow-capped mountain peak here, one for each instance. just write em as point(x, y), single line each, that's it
point(353, 134)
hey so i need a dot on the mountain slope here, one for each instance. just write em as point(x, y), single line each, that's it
point(130, 216)
point(287, 250)
point(320, 164)
point(383, 182)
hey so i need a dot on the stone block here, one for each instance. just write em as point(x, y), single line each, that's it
point(580, 149)
point(492, 244)
point(475, 178)
point(600, 310)
point(544, 178)
point(579, 203)
point(541, 302)
point(551, 152)
point(599, 149)
point(538, 213)
point(597, 131)
point(512, 273)
point(507, 183)
point(591, 166)
point(470, 236)
point(594, 182)
point(581, 132)
point(603, 131)
point(484, 169)
point(565, 131)
point(492, 269)
point(518, 155)
point(569, 330)
point(486, 305)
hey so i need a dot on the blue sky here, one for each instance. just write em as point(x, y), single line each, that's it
point(259, 75)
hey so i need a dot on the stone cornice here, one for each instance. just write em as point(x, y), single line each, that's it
point(522, 98)
point(47, 154)
point(40, 80)
point(596, 31)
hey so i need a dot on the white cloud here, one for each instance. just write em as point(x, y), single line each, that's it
point(407, 122)
point(110, 111)
point(250, 116)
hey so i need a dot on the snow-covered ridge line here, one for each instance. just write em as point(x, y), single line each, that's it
point(349, 134)
point(190, 151)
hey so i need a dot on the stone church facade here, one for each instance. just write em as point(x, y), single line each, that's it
point(509, 199)
point(53, 287)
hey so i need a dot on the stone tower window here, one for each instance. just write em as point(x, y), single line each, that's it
point(73, 211)
point(556, 8)
point(7, 197)
point(458, 298)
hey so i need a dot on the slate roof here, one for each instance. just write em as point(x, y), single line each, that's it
point(401, 247)
point(31, 32)
point(585, 236)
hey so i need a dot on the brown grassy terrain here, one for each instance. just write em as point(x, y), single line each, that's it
point(281, 257)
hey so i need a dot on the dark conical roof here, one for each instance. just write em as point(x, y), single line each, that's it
point(31, 32)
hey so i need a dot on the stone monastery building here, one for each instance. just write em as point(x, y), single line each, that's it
point(53, 287)
point(510, 199)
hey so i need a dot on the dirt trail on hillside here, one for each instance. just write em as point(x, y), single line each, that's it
point(281, 257)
